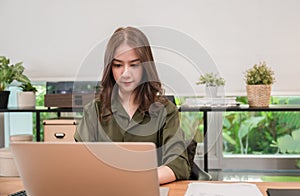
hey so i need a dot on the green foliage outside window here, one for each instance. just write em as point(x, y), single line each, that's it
point(41, 91)
point(248, 132)
point(259, 132)
point(289, 143)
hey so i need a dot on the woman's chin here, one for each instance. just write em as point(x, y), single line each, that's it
point(127, 89)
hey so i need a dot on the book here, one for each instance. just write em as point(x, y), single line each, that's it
point(210, 101)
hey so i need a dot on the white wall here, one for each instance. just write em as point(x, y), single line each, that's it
point(53, 38)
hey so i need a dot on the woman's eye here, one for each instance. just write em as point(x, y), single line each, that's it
point(135, 65)
point(117, 65)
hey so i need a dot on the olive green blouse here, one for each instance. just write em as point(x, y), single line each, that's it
point(160, 125)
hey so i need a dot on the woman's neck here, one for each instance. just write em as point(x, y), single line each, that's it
point(127, 101)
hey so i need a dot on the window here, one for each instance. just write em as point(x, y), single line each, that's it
point(241, 139)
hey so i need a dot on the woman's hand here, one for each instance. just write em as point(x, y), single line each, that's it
point(165, 174)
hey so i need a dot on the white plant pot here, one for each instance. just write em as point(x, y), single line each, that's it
point(211, 91)
point(26, 99)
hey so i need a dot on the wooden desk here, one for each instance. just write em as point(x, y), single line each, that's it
point(11, 185)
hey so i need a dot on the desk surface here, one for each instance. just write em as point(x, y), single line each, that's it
point(241, 108)
point(41, 109)
point(183, 108)
point(11, 185)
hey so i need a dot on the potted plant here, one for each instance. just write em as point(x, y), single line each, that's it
point(212, 81)
point(9, 73)
point(26, 98)
point(259, 79)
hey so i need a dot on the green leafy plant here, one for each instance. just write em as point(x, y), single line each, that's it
point(263, 138)
point(259, 75)
point(289, 143)
point(28, 87)
point(211, 79)
point(9, 73)
point(298, 163)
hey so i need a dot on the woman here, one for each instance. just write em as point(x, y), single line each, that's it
point(131, 107)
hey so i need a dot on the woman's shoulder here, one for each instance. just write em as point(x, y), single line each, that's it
point(171, 107)
point(168, 102)
point(93, 105)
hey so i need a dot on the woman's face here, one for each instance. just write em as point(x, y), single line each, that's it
point(127, 69)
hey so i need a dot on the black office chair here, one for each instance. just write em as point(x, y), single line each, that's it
point(196, 172)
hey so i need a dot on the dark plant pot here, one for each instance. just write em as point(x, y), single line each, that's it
point(4, 99)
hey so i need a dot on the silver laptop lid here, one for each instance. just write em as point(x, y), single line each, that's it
point(87, 168)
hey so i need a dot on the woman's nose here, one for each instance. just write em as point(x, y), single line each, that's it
point(126, 71)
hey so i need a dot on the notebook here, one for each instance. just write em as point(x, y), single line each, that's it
point(222, 189)
point(87, 168)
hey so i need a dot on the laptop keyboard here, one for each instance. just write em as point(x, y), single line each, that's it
point(20, 193)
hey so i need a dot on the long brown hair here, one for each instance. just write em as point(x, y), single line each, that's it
point(150, 88)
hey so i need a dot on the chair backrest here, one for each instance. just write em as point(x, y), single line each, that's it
point(196, 172)
point(171, 98)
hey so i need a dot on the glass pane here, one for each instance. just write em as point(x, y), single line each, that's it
point(191, 122)
point(262, 132)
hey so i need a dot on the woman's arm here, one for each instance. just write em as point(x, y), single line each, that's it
point(172, 146)
point(86, 129)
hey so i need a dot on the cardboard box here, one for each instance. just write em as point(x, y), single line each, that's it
point(60, 130)
point(21, 138)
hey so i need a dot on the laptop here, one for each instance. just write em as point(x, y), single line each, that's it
point(71, 169)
